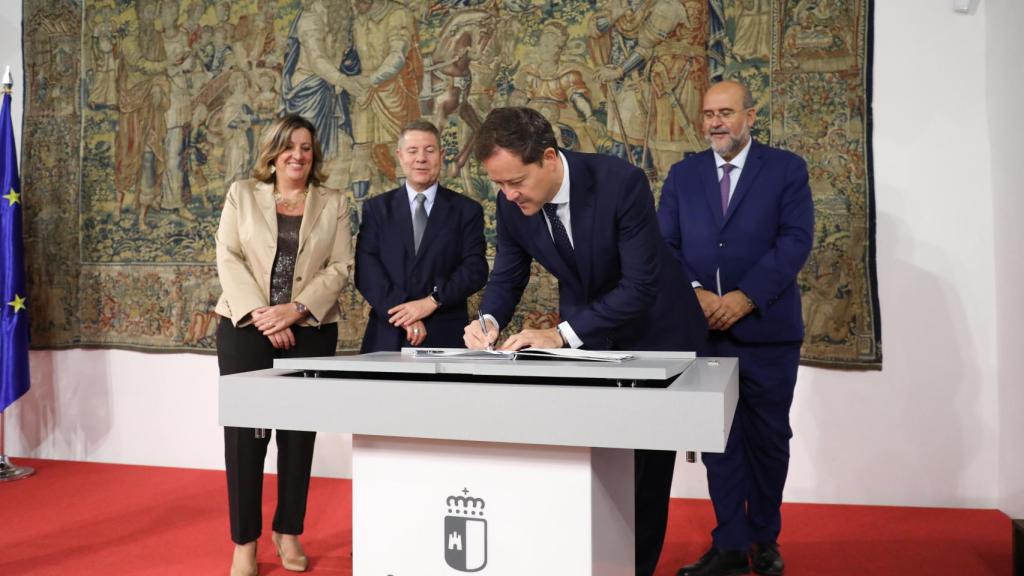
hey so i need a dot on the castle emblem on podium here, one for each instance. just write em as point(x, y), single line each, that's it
point(465, 533)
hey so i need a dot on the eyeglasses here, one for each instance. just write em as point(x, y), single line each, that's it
point(724, 113)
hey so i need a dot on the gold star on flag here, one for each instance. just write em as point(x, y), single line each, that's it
point(18, 303)
point(12, 197)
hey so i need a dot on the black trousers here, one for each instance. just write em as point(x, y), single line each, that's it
point(653, 470)
point(243, 350)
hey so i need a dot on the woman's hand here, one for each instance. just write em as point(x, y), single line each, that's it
point(282, 340)
point(272, 319)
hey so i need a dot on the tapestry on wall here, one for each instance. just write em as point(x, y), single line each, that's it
point(138, 115)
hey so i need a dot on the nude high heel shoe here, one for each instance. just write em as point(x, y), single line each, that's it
point(243, 563)
point(290, 550)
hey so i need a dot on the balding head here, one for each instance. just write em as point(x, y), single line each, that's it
point(734, 89)
point(728, 117)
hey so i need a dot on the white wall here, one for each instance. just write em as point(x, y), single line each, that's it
point(1005, 46)
point(133, 408)
point(10, 55)
point(924, 431)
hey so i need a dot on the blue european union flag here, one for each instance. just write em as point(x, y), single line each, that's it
point(14, 379)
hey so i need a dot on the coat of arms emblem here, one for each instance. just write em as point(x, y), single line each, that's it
point(465, 533)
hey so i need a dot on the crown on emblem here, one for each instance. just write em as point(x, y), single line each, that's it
point(465, 505)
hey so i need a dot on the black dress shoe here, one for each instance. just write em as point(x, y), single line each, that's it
point(717, 562)
point(766, 560)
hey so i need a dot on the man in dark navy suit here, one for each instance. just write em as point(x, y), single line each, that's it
point(740, 218)
point(589, 219)
point(420, 253)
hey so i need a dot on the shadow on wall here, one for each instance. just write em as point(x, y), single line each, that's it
point(901, 436)
point(66, 418)
point(332, 456)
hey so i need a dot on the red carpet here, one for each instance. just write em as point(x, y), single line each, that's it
point(101, 519)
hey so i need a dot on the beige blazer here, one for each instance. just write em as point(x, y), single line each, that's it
point(247, 244)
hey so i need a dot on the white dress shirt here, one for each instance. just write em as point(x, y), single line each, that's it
point(430, 193)
point(737, 167)
point(561, 200)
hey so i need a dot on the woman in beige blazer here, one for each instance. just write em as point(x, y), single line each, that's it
point(284, 250)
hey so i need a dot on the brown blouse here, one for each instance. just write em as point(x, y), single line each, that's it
point(284, 262)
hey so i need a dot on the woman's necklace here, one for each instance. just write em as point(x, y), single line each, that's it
point(290, 204)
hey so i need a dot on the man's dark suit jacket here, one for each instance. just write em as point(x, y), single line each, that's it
point(758, 246)
point(631, 293)
point(388, 272)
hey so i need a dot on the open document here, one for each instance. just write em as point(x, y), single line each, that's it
point(526, 354)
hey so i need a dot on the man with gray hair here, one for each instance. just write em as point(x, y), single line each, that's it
point(420, 252)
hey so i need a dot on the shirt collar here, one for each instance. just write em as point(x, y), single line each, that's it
point(562, 197)
point(430, 193)
point(738, 161)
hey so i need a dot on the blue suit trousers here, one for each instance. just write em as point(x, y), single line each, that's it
point(746, 481)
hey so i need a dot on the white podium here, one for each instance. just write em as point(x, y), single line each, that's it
point(496, 467)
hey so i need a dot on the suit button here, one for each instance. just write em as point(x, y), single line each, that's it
point(298, 278)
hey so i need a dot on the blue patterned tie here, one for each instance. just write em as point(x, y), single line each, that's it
point(561, 237)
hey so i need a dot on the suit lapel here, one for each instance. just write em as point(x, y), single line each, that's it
point(537, 228)
point(581, 209)
point(264, 193)
point(403, 219)
point(749, 174)
point(437, 220)
point(546, 253)
point(712, 191)
point(316, 201)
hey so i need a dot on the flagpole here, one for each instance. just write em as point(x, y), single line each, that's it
point(8, 471)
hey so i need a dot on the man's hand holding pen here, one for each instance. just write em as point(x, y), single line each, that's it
point(483, 334)
point(480, 335)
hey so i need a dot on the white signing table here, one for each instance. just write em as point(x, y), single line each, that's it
point(498, 467)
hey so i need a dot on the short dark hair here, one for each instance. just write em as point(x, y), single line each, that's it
point(522, 131)
point(421, 125)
